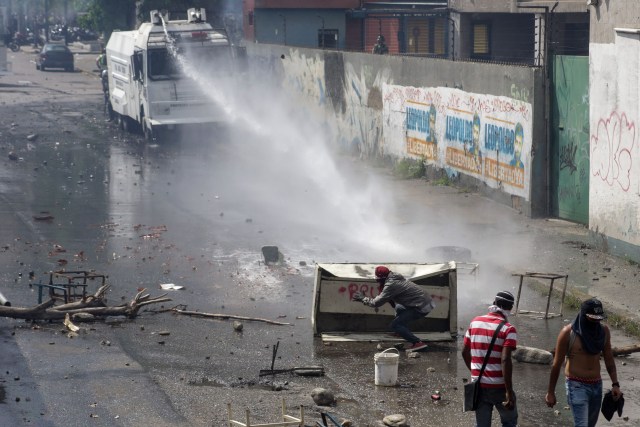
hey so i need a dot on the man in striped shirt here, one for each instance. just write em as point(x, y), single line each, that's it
point(496, 387)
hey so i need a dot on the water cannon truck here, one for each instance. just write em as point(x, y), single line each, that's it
point(153, 72)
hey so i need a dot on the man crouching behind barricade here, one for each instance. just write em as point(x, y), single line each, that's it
point(408, 299)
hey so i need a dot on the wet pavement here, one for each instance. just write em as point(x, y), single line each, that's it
point(195, 211)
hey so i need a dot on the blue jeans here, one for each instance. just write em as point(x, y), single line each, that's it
point(405, 315)
point(490, 397)
point(585, 401)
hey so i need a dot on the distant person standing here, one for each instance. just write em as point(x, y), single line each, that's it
point(496, 386)
point(101, 60)
point(581, 344)
point(380, 47)
point(409, 300)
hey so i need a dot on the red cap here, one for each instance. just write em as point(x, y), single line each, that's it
point(382, 272)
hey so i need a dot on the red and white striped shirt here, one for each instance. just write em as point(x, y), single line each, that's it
point(478, 337)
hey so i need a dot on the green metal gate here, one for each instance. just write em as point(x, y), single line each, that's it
point(570, 138)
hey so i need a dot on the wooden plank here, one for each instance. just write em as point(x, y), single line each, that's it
point(377, 337)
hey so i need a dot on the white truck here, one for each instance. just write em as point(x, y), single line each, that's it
point(153, 73)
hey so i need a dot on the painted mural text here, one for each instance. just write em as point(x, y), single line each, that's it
point(463, 160)
point(417, 120)
point(521, 94)
point(365, 289)
point(459, 129)
point(422, 148)
point(499, 138)
point(504, 173)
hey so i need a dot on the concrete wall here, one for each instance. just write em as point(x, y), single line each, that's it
point(515, 6)
point(610, 14)
point(614, 90)
point(461, 118)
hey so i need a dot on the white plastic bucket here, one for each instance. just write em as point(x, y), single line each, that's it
point(387, 367)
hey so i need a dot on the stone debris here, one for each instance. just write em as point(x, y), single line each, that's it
point(271, 254)
point(238, 326)
point(532, 355)
point(322, 396)
point(395, 420)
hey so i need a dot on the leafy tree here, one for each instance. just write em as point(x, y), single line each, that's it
point(107, 15)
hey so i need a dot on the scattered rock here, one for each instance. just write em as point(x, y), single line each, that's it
point(395, 420)
point(238, 326)
point(164, 333)
point(322, 396)
point(413, 355)
point(302, 263)
point(532, 355)
point(271, 254)
point(346, 423)
point(431, 369)
point(32, 137)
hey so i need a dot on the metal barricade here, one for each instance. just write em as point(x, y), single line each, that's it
point(69, 286)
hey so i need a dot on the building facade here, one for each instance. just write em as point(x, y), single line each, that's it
point(614, 91)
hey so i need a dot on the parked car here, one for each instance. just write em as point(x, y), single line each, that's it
point(55, 55)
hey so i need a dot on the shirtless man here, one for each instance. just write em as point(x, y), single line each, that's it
point(581, 344)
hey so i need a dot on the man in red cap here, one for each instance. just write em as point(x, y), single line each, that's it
point(409, 300)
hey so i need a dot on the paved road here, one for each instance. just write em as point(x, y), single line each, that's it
point(195, 212)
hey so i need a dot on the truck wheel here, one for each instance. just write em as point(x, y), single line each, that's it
point(146, 128)
point(148, 131)
point(126, 124)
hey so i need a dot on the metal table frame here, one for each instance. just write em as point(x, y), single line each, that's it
point(548, 276)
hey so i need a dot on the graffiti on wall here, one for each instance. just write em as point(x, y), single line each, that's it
point(361, 122)
point(485, 136)
point(611, 148)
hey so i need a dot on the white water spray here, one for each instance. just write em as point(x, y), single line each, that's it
point(288, 137)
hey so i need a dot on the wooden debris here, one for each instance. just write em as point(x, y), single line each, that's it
point(93, 305)
point(619, 351)
point(227, 316)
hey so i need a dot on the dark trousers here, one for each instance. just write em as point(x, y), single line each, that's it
point(405, 315)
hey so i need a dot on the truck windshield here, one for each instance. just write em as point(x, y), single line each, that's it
point(162, 65)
